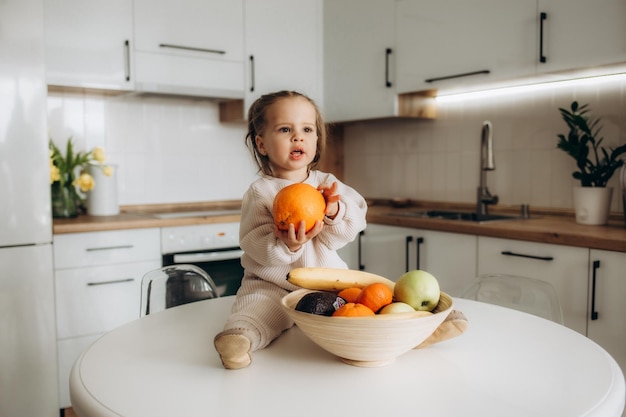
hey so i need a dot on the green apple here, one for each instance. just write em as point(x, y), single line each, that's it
point(419, 289)
point(396, 307)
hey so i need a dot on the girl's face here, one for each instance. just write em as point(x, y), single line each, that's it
point(289, 138)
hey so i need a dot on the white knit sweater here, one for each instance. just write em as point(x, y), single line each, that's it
point(267, 260)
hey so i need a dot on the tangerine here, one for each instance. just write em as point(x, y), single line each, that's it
point(350, 294)
point(375, 296)
point(298, 202)
point(353, 310)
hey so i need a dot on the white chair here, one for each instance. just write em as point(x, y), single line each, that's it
point(175, 285)
point(520, 293)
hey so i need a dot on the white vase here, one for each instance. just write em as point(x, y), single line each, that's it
point(102, 200)
point(592, 204)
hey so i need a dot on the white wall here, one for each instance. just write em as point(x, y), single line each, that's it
point(438, 160)
point(168, 150)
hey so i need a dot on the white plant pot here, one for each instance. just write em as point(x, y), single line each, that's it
point(592, 204)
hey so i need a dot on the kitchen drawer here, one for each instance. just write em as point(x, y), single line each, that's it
point(565, 267)
point(98, 299)
point(103, 248)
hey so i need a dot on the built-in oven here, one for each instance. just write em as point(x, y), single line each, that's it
point(211, 247)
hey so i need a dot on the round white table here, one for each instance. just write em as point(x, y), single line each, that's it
point(506, 364)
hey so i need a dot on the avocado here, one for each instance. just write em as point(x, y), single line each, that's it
point(320, 302)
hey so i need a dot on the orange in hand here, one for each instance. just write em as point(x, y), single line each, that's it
point(375, 296)
point(353, 310)
point(298, 202)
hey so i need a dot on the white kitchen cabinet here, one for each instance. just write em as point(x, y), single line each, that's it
point(192, 47)
point(390, 251)
point(359, 59)
point(564, 267)
point(606, 302)
point(580, 33)
point(87, 43)
point(277, 60)
point(97, 288)
point(442, 43)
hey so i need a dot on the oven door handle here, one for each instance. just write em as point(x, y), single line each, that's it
point(184, 258)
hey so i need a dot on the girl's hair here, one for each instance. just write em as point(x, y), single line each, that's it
point(257, 122)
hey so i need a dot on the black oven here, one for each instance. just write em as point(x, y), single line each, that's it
point(211, 247)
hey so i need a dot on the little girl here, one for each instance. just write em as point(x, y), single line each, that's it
point(286, 136)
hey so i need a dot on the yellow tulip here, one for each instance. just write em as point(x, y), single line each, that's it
point(85, 182)
point(99, 154)
point(55, 173)
point(107, 170)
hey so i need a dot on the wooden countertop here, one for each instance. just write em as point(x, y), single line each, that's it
point(545, 228)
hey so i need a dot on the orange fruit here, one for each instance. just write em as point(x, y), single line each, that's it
point(353, 310)
point(297, 202)
point(375, 296)
point(350, 294)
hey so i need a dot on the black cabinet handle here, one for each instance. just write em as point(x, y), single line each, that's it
point(251, 73)
point(418, 262)
point(542, 18)
point(449, 77)
point(192, 48)
point(594, 313)
point(109, 248)
point(388, 52)
point(522, 255)
point(127, 59)
point(409, 239)
point(114, 281)
point(361, 266)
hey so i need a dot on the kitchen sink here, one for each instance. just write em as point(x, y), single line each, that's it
point(455, 215)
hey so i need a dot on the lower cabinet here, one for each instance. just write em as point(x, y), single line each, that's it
point(390, 251)
point(97, 288)
point(607, 288)
point(564, 267)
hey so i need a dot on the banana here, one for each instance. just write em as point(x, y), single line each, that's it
point(333, 279)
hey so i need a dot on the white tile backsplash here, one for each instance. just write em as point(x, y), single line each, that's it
point(168, 150)
point(439, 160)
point(172, 150)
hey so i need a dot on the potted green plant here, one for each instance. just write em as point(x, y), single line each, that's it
point(595, 163)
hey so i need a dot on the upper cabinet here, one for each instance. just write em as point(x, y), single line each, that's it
point(359, 59)
point(87, 43)
point(278, 60)
point(581, 33)
point(441, 43)
point(192, 47)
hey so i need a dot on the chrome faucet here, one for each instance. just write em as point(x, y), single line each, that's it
point(484, 197)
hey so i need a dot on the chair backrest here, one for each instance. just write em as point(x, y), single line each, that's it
point(175, 285)
point(520, 293)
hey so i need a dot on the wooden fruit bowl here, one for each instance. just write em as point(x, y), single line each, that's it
point(367, 341)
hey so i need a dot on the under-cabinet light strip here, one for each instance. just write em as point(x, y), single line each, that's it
point(530, 87)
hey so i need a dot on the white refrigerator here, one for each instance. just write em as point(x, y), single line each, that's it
point(28, 367)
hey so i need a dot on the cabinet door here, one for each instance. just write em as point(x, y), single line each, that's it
point(580, 33)
point(606, 299)
point(454, 43)
point(87, 43)
point(564, 267)
point(277, 61)
point(359, 80)
point(450, 257)
point(192, 47)
point(385, 250)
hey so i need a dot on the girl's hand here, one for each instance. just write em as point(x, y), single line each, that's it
point(332, 199)
point(295, 239)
